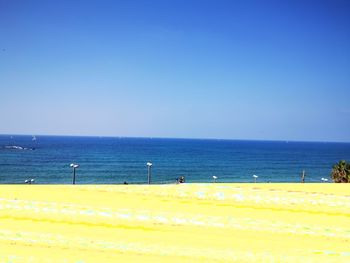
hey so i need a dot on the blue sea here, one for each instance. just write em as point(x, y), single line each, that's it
point(107, 160)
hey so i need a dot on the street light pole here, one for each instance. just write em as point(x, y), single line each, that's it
point(149, 165)
point(74, 166)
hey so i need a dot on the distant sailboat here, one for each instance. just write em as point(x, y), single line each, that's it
point(12, 145)
point(34, 141)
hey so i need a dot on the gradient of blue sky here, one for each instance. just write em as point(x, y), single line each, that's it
point(201, 69)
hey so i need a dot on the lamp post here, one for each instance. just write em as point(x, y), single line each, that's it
point(29, 181)
point(324, 180)
point(149, 167)
point(74, 166)
point(255, 177)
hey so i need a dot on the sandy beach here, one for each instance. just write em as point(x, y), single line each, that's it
point(175, 223)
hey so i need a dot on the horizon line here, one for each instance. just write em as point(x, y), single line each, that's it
point(176, 138)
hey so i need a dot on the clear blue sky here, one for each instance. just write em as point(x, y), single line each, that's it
point(276, 70)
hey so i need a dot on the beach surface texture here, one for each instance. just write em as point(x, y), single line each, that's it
point(175, 223)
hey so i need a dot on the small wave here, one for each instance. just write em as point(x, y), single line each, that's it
point(15, 147)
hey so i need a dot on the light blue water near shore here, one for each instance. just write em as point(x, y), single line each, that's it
point(105, 160)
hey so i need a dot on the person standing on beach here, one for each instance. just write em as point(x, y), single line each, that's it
point(303, 177)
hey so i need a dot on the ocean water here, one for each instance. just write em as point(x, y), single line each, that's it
point(106, 160)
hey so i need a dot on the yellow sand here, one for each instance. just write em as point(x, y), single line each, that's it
point(175, 223)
